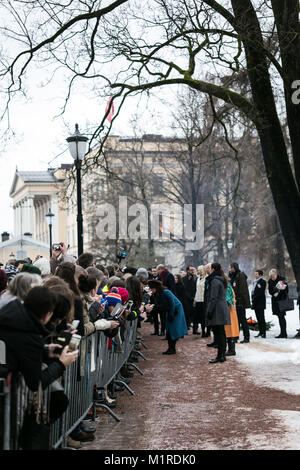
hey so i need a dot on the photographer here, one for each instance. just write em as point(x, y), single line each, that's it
point(59, 255)
point(22, 328)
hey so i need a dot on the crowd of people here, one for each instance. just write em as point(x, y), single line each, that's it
point(42, 300)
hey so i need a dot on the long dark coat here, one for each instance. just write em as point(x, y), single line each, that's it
point(217, 311)
point(24, 336)
point(259, 295)
point(239, 283)
point(282, 294)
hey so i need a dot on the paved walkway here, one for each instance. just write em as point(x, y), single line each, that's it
point(183, 402)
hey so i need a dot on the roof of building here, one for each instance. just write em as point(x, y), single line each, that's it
point(37, 176)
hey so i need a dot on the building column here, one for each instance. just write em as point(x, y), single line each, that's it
point(30, 215)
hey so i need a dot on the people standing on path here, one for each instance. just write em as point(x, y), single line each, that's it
point(189, 282)
point(217, 312)
point(199, 316)
point(232, 331)
point(258, 302)
point(238, 281)
point(175, 319)
point(278, 289)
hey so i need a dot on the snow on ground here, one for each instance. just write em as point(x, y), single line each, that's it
point(274, 361)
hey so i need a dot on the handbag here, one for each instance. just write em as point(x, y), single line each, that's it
point(35, 431)
point(286, 305)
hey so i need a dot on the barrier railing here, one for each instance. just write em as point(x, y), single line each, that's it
point(99, 362)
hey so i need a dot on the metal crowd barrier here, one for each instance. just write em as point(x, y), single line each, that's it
point(100, 361)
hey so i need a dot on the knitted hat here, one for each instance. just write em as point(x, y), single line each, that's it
point(124, 294)
point(29, 268)
point(142, 272)
point(113, 298)
point(43, 265)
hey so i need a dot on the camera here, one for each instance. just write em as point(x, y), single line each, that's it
point(121, 255)
point(119, 309)
point(57, 247)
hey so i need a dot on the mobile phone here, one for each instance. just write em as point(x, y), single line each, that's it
point(75, 324)
point(63, 340)
point(74, 343)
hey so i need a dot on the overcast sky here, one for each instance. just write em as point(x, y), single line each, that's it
point(39, 137)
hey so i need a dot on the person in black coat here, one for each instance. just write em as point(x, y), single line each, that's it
point(217, 311)
point(189, 282)
point(22, 328)
point(258, 302)
point(278, 289)
point(168, 280)
point(238, 280)
point(180, 290)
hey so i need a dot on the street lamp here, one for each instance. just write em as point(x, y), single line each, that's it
point(229, 244)
point(77, 146)
point(49, 218)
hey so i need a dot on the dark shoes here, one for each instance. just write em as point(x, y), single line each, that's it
point(281, 336)
point(245, 341)
point(260, 335)
point(196, 333)
point(212, 345)
point(230, 353)
point(155, 333)
point(169, 351)
point(218, 359)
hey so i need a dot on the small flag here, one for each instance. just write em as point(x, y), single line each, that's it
point(111, 108)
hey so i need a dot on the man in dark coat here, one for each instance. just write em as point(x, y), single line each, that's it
point(167, 278)
point(189, 282)
point(258, 298)
point(238, 281)
point(22, 329)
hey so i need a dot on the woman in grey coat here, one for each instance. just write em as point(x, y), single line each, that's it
point(217, 312)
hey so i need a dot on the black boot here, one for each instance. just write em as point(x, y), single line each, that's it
point(231, 347)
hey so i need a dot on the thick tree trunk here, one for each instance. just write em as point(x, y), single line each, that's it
point(279, 173)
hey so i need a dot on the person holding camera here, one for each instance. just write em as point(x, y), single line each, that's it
point(59, 255)
point(23, 329)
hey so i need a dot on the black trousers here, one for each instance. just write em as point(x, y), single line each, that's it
point(189, 312)
point(171, 343)
point(220, 339)
point(260, 315)
point(162, 316)
point(155, 321)
point(282, 323)
point(241, 313)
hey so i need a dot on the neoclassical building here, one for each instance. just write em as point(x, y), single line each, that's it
point(33, 193)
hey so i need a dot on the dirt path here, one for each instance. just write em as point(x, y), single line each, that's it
point(183, 402)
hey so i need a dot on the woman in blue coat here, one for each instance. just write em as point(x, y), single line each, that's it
point(175, 319)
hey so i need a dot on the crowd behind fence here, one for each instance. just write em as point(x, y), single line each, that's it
point(99, 362)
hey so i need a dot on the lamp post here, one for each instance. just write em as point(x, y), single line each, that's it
point(77, 146)
point(49, 218)
point(229, 244)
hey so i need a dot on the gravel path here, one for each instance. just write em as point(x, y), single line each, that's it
point(184, 403)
